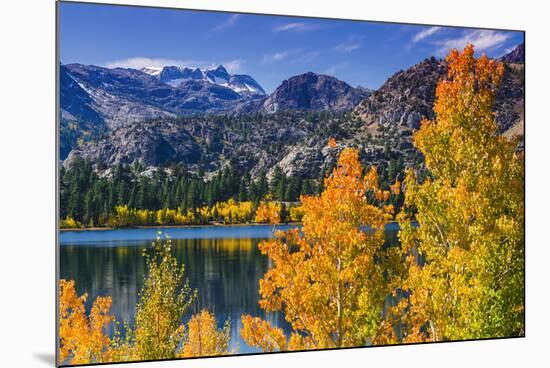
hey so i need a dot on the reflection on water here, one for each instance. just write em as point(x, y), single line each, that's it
point(225, 271)
point(222, 263)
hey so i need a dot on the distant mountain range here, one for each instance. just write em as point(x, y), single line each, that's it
point(95, 99)
point(123, 95)
point(175, 76)
point(207, 118)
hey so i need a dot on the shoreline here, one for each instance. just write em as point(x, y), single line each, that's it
point(217, 224)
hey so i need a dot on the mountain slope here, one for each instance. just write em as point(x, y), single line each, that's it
point(117, 96)
point(256, 143)
point(95, 98)
point(151, 144)
point(405, 97)
point(314, 92)
point(408, 96)
point(260, 134)
point(517, 55)
point(296, 143)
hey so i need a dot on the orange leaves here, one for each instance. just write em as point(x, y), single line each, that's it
point(470, 284)
point(331, 143)
point(396, 187)
point(268, 212)
point(466, 71)
point(347, 173)
point(320, 273)
point(100, 319)
point(82, 338)
point(382, 195)
point(371, 179)
point(464, 115)
point(259, 333)
point(158, 331)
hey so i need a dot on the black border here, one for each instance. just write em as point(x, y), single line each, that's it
point(57, 148)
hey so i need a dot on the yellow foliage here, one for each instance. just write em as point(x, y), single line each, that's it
point(82, 338)
point(158, 332)
point(229, 212)
point(164, 299)
point(466, 255)
point(268, 212)
point(259, 333)
point(203, 338)
point(69, 223)
point(296, 213)
point(325, 277)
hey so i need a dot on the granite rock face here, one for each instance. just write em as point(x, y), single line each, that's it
point(150, 144)
point(95, 99)
point(517, 55)
point(114, 116)
point(314, 92)
point(409, 95)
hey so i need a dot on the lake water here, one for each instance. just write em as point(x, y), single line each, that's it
point(222, 263)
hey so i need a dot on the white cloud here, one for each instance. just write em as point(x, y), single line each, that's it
point(425, 33)
point(139, 62)
point(306, 57)
point(228, 23)
point(277, 56)
point(483, 40)
point(295, 26)
point(347, 46)
point(333, 69)
point(293, 56)
point(234, 66)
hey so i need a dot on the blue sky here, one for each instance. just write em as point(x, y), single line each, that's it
point(269, 48)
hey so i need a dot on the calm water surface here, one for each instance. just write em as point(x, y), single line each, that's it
point(222, 263)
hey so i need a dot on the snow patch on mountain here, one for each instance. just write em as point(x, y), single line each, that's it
point(151, 70)
point(176, 75)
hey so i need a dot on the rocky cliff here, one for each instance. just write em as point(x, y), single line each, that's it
point(311, 91)
point(408, 96)
point(288, 129)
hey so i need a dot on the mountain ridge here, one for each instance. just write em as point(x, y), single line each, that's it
point(175, 75)
point(96, 98)
point(293, 136)
point(313, 91)
point(409, 95)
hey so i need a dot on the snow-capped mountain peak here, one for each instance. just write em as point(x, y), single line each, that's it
point(151, 70)
point(220, 69)
point(176, 75)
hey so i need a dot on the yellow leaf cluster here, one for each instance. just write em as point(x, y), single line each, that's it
point(83, 339)
point(324, 276)
point(229, 212)
point(158, 331)
point(466, 254)
point(268, 212)
point(69, 223)
point(204, 338)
